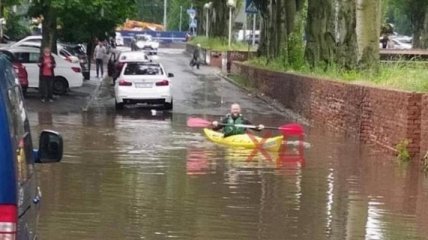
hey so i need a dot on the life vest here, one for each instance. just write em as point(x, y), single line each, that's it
point(230, 128)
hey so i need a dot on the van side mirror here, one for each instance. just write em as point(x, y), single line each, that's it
point(50, 147)
point(170, 75)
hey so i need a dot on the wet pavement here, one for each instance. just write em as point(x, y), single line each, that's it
point(141, 173)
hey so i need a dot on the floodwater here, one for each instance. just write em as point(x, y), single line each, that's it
point(142, 174)
point(138, 176)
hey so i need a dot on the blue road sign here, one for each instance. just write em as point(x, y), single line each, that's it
point(193, 23)
point(250, 6)
point(191, 12)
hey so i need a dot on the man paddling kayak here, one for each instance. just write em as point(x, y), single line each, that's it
point(228, 124)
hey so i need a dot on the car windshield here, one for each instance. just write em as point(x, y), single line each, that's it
point(75, 50)
point(143, 69)
point(143, 38)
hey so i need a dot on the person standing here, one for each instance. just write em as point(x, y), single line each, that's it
point(99, 55)
point(47, 75)
point(195, 57)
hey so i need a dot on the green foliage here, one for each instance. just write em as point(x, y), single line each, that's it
point(81, 20)
point(220, 44)
point(409, 76)
point(16, 27)
point(241, 81)
point(403, 154)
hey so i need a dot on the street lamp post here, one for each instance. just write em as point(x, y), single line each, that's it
point(207, 7)
point(231, 4)
point(164, 14)
point(181, 16)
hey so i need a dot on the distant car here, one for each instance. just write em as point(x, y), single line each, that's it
point(143, 82)
point(117, 62)
point(79, 51)
point(396, 44)
point(20, 194)
point(144, 42)
point(67, 75)
point(65, 54)
point(19, 68)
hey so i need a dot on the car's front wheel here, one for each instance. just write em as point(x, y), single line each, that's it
point(60, 86)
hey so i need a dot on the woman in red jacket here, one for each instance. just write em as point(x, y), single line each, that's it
point(47, 76)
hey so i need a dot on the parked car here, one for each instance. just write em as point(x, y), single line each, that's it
point(67, 74)
point(116, 62)
point(79, 51)
point(19, 68)
point(20, 194)
point(143, 82)
point(65, 54)
point(144, 42)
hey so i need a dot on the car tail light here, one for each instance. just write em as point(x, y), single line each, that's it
point(124, 83)
point(76, 69)
point(162, 83)
point(8, 220)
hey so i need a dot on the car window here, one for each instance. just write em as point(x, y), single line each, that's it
point(34, 57)
point(143, 69)
point(23, 57)
point(9, 56)
point(64, 53)
point(20, 132)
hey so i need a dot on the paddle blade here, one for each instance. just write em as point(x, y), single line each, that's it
point(198, 122)
point(292, 129)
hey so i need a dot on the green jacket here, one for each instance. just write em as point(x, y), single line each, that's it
point(228, 125)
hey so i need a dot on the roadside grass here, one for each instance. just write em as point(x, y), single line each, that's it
point(242, 81)
point(400, 75)
point(220, 44)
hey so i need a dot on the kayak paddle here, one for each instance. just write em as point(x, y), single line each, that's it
point(286, 129)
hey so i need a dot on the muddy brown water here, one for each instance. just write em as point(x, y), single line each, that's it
point(137, 176)
point(132, 175)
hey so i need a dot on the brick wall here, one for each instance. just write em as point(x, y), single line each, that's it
point(376, 116)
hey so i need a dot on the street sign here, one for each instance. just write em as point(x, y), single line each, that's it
point(250, 7)
point(193, 23)
point(191, 12)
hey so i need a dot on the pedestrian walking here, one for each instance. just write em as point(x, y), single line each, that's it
point(99, 55)
point(195, 57)
point(47, 75)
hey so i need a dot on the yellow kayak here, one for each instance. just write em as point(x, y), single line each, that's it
point(243, 140)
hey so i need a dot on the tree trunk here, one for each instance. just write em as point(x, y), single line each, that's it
point(368, 32)
point(220, 19)
point(49, 30)
point(346, 36)
point(424, 33)
point(320, 45)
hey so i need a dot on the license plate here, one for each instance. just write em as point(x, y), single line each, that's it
point(143, 85)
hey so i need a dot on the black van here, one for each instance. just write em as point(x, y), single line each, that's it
point(19, 193)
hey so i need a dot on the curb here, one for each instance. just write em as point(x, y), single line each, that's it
point(272, 102)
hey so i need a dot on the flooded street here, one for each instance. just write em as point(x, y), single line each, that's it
point(143, 174)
